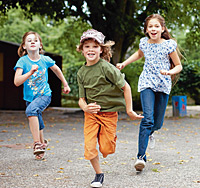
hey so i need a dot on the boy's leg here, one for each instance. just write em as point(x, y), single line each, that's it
point(107, 135)
point(99, 176)
point(96, 165)
point(91, 130)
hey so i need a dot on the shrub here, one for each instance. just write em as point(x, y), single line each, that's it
point(189, 81)
point(71, 99)
point(132, 73)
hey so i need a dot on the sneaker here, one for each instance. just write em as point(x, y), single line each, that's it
point(98, 180)
point(140, 164)
point(152, 141)
point(38, 148)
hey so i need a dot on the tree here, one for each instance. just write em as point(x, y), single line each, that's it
point(119, 20)
point(59, 38)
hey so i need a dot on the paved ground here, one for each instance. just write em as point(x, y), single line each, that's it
point(174, 163)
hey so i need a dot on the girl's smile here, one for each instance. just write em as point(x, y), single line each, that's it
point(154, 29)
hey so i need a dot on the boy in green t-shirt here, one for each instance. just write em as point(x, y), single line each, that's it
point(102, 92)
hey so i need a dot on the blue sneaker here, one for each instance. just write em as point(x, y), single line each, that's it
point(98, 180)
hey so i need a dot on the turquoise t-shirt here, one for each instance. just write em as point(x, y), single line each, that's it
point(37, 85)
point(102, 83)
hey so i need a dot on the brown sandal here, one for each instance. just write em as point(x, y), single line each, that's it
point(40, 156)
point(38, 148)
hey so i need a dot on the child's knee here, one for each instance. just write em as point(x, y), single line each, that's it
point(31, 111)
point(90, 154)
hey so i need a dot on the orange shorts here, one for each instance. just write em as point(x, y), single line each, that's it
point(102, 127)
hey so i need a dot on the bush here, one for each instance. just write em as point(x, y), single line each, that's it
point(189, 81)
point(71, 99)
point(132, 73)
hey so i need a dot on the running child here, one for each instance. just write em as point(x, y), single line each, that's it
point(102, 92)
point(161, 62)
point(32, 71)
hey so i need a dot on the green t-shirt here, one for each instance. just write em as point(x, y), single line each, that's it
point(102, 83)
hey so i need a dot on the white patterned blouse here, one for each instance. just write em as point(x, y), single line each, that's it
point(156, 59)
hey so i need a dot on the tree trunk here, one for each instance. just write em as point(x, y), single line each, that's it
point(117, 50)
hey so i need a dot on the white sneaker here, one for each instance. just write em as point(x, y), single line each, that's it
point(139, 164)
point(152, 141)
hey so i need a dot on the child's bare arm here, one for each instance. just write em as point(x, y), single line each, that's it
point(19, 79)
point(128, 100)
point(60, 75)
point(178, 67)
point(137, 55)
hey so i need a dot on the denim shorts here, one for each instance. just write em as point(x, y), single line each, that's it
point(36, 107)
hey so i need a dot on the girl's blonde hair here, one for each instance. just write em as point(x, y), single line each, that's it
point(165, 35)
point(21, 51)
point(106, 49)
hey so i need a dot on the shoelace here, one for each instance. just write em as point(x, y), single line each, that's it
point(141, 157)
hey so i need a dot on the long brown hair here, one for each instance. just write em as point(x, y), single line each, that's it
point(106, 49)
point(165, 35)
point(21, 51)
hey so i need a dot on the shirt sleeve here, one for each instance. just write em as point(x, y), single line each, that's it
point(80, 85)
point(49, 62)
point(172, 46)
point(142, 43)
point(19, 64)
point(114, 75)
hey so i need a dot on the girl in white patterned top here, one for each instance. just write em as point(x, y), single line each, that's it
point(154, 85)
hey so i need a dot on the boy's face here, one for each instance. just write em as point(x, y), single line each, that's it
point(91, 51)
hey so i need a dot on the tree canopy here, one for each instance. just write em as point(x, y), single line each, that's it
point(120, 21)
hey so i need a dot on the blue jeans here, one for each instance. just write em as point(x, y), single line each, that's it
point(36, 107)
point(154, 105)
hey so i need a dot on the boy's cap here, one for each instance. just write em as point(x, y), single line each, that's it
point(94, 34)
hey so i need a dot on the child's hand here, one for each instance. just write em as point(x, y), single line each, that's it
point(120, 66)
point(92, 108)
point(34, 68)
point(134, 116)
point(66, 89)
point(164, 72)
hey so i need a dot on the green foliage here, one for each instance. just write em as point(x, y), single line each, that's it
point(120, 21)
point(57, 38)
point(71, 99)
point(71, 76)
point(132, 73)
point(189, 82)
